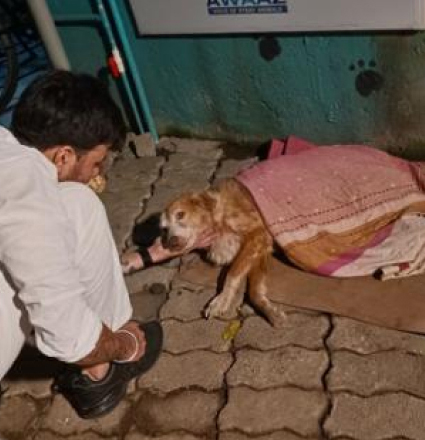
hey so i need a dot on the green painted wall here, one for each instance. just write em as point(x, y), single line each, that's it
point(327, 87)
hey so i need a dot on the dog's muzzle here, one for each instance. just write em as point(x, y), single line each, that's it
point(171, 242)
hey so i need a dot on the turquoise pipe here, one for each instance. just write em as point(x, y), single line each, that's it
point(133, 69)
point(124, 76)
point(77, 18)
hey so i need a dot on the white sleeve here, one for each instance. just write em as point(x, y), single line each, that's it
point(37, 254)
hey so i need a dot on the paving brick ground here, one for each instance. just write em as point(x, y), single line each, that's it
point(319, 377)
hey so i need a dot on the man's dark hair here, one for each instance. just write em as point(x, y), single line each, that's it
point(65, 108)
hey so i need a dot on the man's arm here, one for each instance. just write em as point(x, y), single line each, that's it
point(132, 261)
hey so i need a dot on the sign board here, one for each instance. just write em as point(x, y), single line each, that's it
point(161, 17)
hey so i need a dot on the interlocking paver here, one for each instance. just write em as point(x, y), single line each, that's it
point(277, 368)
point(46, 435)
point(173, 436)
point(261, 412)
point(62, 419)
point(300, 329)
point(186, 303)
point(191, 164)
point(380, 417)
point(199, 274)
point(190, 411)
point(194, 147)
point(202, 334)
point(36, 388)
point(137, 281)
point(376, 373)
point(147, 304)
point(141, 172)
point(392, 438)
point(363, 338)
point(127, 193)
point(122, 225)
point(196, 369)
point(280, 435)
point(185, 184)
point(129, 186)
point(16, 415)
point(230, 167)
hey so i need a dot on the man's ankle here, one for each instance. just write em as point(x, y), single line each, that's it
point(96, 372)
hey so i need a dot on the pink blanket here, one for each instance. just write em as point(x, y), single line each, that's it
point(342, 210)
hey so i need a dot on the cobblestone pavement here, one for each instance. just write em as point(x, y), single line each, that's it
point(320, 377)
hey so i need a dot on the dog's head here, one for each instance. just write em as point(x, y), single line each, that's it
point(185, 218)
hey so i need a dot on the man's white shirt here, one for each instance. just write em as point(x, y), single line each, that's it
point(37, 253)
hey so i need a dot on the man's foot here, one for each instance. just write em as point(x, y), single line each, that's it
point(91, 398)
point(96, 398)
point(97, 372)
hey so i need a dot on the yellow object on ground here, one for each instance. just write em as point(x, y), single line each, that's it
point(231, 330)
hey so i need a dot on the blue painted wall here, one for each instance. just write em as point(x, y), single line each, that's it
point(327, 87)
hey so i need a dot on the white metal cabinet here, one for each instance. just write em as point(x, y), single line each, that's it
point(239, 16)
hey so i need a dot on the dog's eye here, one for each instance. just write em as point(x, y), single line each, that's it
point(180, 215)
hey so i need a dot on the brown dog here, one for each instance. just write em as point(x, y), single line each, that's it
point(242, 241)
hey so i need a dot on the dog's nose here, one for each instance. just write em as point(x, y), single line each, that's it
point(169, 241)
point(173, 242)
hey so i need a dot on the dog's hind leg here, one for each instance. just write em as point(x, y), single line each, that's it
point(257, 292)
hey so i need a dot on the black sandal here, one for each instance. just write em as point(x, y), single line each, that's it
point(90, 398)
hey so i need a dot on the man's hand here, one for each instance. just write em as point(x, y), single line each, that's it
point(204, 240)
point(131, 262)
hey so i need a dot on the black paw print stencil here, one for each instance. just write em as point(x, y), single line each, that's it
point(268, 47)
point(367, 80)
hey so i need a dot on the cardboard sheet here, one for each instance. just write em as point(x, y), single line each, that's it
point(397, 304)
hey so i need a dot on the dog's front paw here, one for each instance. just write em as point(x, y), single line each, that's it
point(277, 318)
point(220, 307)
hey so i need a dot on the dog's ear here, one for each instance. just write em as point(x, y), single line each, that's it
point(207, 199)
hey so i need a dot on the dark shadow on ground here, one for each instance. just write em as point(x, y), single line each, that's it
point(33, 365)
point(147, 231)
